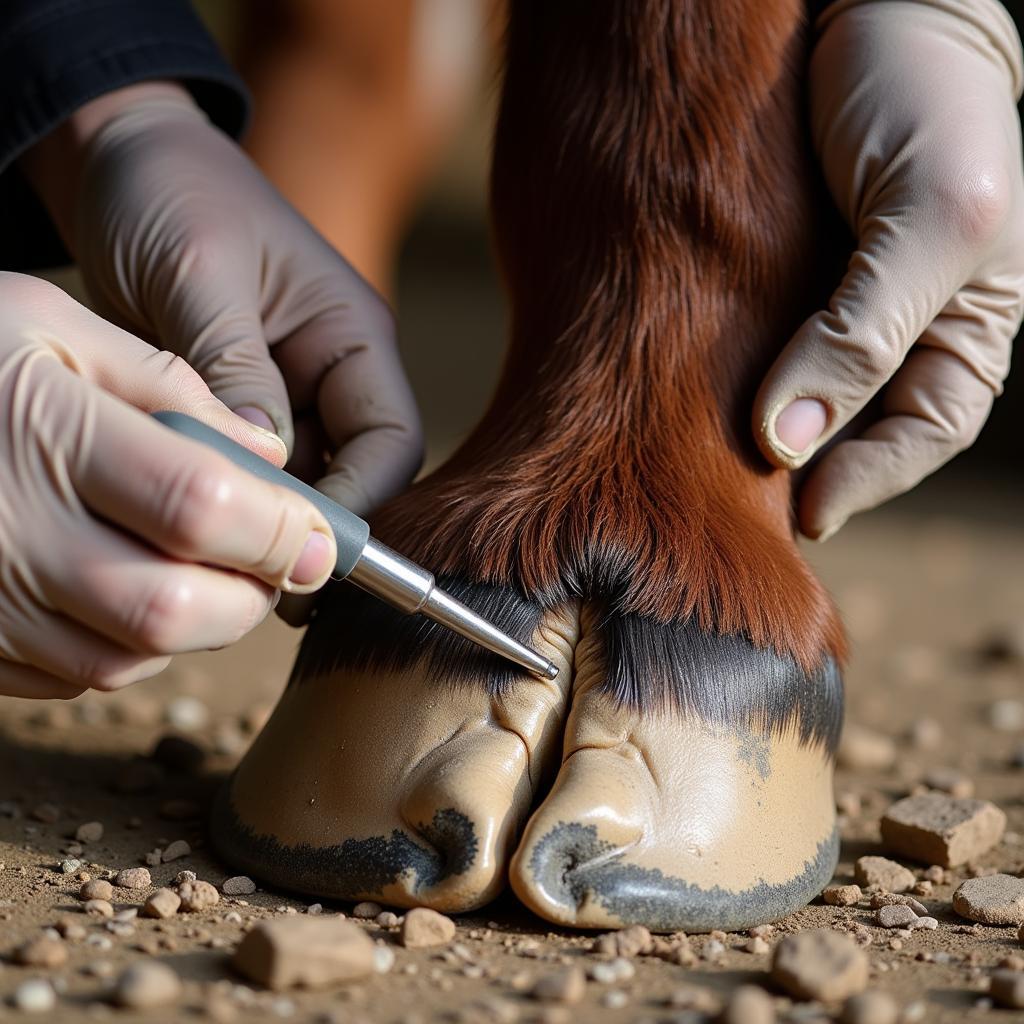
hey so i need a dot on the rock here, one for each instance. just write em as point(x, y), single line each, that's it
point(175, 851)
point(1006, 715)
point(35, 996)
point(367, 910)
point(820, 964)
point(97, 889)
point(891, 899)
point(864, 749)
point(133, 878)
point(154, 858)
point(42, 952)
point(71, 930)
point(612, 972)
point(883, 873)
point(383, 958)
point(422, 927)
point(896, 916)
point(184, 876)
point(993, 899)
point(871, 1007)
point(303, 951)
point(926, 922)
point(748, 1004)
point(90, 832)
point(187, 714)
point(197, 896)
point(567, 986)
point(98, 908)
point(48, 814)
point(842, 895)
point(162, 904)
point(629, 942)
point(70, 866)
point(1007, 989)
point(178, 755)
point(925, 734)
point(239, 885)
point(147, 985)
point(757, 945)
point(949, 780)
point(937, 829)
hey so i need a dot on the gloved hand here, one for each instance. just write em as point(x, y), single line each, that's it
point(913, 118)
point(182, 240)
point(122, 543)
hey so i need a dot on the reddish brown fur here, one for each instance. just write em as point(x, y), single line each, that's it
point(653, 213)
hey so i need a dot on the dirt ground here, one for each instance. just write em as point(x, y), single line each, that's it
point(925, 588)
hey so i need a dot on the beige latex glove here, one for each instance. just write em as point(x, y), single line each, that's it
point(182, 240)
point(122, 543)
point(913, 118)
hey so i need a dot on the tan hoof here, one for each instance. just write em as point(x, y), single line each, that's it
point(395, 785)
point(665, 820)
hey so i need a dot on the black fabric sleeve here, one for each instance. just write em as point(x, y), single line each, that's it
point(56, 55)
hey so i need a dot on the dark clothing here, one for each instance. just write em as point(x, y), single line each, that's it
point(56, 55)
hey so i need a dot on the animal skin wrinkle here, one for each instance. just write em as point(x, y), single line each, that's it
point(502, 721)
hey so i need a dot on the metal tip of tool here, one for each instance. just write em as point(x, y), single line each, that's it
point(443, 608)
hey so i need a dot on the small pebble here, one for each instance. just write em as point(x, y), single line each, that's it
point(994, 899)
point(238, 885)
point(189, 714)
point(1007, 989)
point(133, 878)
point(883, 873)
point(176, 850)
point(842, 895)
point(35, 996)
point(48, 814)
point(748, 1004)
point(616, 999)
point(820, 964)
point(1006, 715)
point(926, 922)
point(164, 903)
point(42, 952)
point(926, 734)
point(566, 986)
point(422, 927)
point(383, 958)
point(386, 919)
point(197, 896)
point(629, 942)
point(367, 910)
point(70, 866)
point(870, 1007)
point(896, 916)
point(90, 832)
point(97, 889)
point(98, 908)
point(863, 749)
point(146, 986)
point(184, 876)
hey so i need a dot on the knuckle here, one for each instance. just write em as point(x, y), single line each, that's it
point(104, 674)
point(194, 505)
point(158, 620)
point(979, 201)
point(878, 358)
point(183, 379)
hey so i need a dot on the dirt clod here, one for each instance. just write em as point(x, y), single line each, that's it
point(423, 927)
point(304, 951)
point(882, 873)
point(842, 895)
point(197, 896)
point(147, 985)
point(820, 964)
point(994, 899)
point(934, 828)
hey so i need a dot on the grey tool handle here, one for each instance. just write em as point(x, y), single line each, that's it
point(350, 531)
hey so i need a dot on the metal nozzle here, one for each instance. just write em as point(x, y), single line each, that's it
point(409, 588)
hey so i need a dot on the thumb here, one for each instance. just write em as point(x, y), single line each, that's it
point(841, 357)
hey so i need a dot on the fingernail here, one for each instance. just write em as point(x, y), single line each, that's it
point(314, 561)
point(800, 424)
point(257, 417)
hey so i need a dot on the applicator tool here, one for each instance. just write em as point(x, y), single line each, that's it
point(366, 562)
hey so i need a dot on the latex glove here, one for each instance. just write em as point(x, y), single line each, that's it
point(913, 118)
point(122, 543)
point(182, 240)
